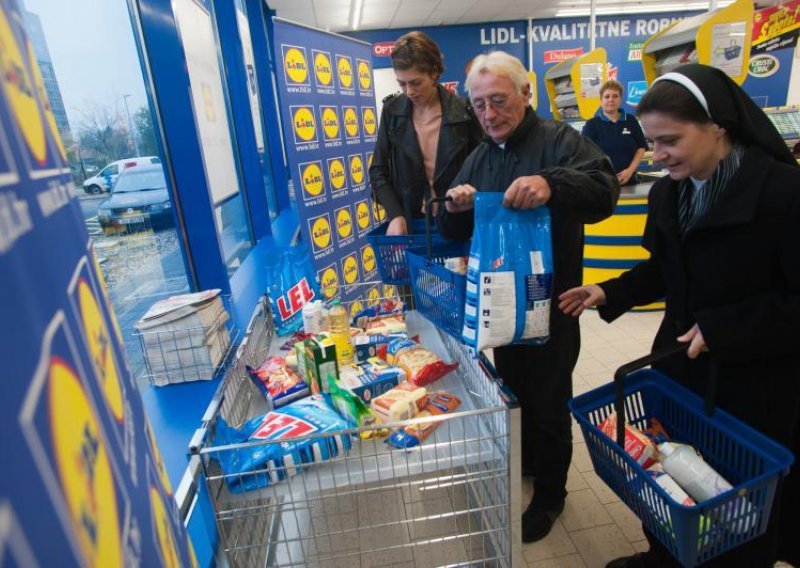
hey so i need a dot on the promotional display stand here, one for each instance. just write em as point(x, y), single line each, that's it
point(573, 86)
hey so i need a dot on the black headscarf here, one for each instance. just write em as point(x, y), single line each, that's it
point(731, 108)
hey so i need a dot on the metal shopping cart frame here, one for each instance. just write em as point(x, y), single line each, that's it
point(454, 500)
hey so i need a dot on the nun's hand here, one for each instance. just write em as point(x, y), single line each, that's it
point(397, 226)
point(463, 198)
point(697, 343)
point(574, 301)
point(527, 192)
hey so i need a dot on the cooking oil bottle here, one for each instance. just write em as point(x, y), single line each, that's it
point(340, 332)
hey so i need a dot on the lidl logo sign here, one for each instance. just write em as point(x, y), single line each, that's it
point(304, 125)
point(373, 296)
point(378, 212)
point(389, 291)
point(370, 122)
point(344, 222)
point(345, 71)
point(364, 75)
point(350, 269)
point(356, 169)
point(368, 259)
point(329, 281)
point(362, 215)
point(295, 65)
point(320, 232)
point(311, 179)
point(350, 122)
point(356, 308)
point(369, 160)
point(323, 70)
point(336, 173)
point(636, 90)
point(330, 123)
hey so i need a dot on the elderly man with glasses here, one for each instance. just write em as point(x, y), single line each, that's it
point(535, 162)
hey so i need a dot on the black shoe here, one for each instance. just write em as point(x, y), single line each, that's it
point(537, 522)
point(638, 560)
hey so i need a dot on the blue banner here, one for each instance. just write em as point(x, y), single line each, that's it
point(85, 484)
point(459, 45)
point(330, 124)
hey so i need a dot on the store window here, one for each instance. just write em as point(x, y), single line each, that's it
point(94, 83)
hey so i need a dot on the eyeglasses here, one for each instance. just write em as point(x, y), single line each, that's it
point(497, 102)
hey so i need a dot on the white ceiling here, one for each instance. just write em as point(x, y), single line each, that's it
point(337, 15)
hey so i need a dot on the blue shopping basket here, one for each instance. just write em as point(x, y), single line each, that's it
point(750, 461)
point(390, 250)
point(439, 293)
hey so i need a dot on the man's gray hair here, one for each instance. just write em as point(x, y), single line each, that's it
point(498, 63)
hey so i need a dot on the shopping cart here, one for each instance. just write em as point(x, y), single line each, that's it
point(750, 461)
point(439, 292)
point(449, 501)
point(390, 249)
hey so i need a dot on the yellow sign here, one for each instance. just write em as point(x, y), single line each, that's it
point(350, 268)
point(323, 69)
point(166, 540)
point(370, 123)
point(311, 179)
point(84, 468)
point(389, 291)
point(344, 223)
point(294, 61)
point(378, 212)
point(345, 69)
point(369, 160)
point(45, 100)
point(362, 215)
point(356, 170)
point(364, 75)
point(329, 282)
point(368, 259)
point(351, 122)
point(101, 350)
point(305, 127)
point(159, 461)
point(373, 296)
point(20, 92)
point(336, 173)
point(330, 123)
point(355, 308)
point(321, 232)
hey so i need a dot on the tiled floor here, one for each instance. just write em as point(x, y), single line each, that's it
point(595, 526)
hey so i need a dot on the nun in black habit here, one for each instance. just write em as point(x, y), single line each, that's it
point(723, 232)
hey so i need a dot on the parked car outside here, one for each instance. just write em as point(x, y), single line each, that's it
point(138, 201)
point(105, 178)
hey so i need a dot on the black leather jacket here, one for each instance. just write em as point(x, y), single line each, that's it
point(397, 172)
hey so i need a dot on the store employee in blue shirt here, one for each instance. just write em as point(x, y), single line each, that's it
point(617, 133)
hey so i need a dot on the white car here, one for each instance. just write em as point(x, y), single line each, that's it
point(105, 178)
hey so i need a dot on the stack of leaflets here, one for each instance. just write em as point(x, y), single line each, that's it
point(184, 337)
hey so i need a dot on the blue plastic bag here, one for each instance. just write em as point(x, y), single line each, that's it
point(291, 283)
point(510, 275)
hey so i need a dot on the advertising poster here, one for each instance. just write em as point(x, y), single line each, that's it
point(84, 484)
point(772, 54)
point(330, 123)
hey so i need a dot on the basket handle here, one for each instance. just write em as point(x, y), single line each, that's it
point(428, 205)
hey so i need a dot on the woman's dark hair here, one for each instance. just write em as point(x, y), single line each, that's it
point(613, 85)
point(417, 50)
point(672, 99)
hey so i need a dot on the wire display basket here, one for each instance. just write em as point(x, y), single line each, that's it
point(390, 250)
point(750, 461)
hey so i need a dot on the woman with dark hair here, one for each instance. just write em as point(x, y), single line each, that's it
point(724, 241)
point(425, 134)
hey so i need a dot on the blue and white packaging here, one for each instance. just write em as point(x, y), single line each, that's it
point(509, 276)
point(291, 283)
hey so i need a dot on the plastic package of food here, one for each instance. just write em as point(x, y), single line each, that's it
point(421, 365)
point(637, 444)
point(412, 435)
point(371, 378)
point(401, 403)
point(278, 382)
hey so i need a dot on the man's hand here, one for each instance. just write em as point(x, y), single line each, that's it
point(574, 301)
point(463, 198)
point(697, 343)
point(397, 226)
point(527, 192)
point(625, 175)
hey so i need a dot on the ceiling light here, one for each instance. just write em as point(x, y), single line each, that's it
point(356, 19)
point(639, 9)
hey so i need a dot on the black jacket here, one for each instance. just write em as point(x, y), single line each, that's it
point(581, 178)
point(736, 273)
point(397, 172)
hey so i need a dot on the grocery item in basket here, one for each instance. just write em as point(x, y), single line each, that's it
point(316, 357)
point(510, 275)
point(637, 444)
point(412, 435)
point(421, 365)
point(670, 486)
point(457, 264)
point(656, 431)
point(278, 382)
point(315, 317)
point(353, 409)
point(386, 326)
point(371, 378)
point(340, 332)
point(288, 345)
point(401, 403)
point(257, 466)
point(291, 283)
point(387, 308)
point(366, 346)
